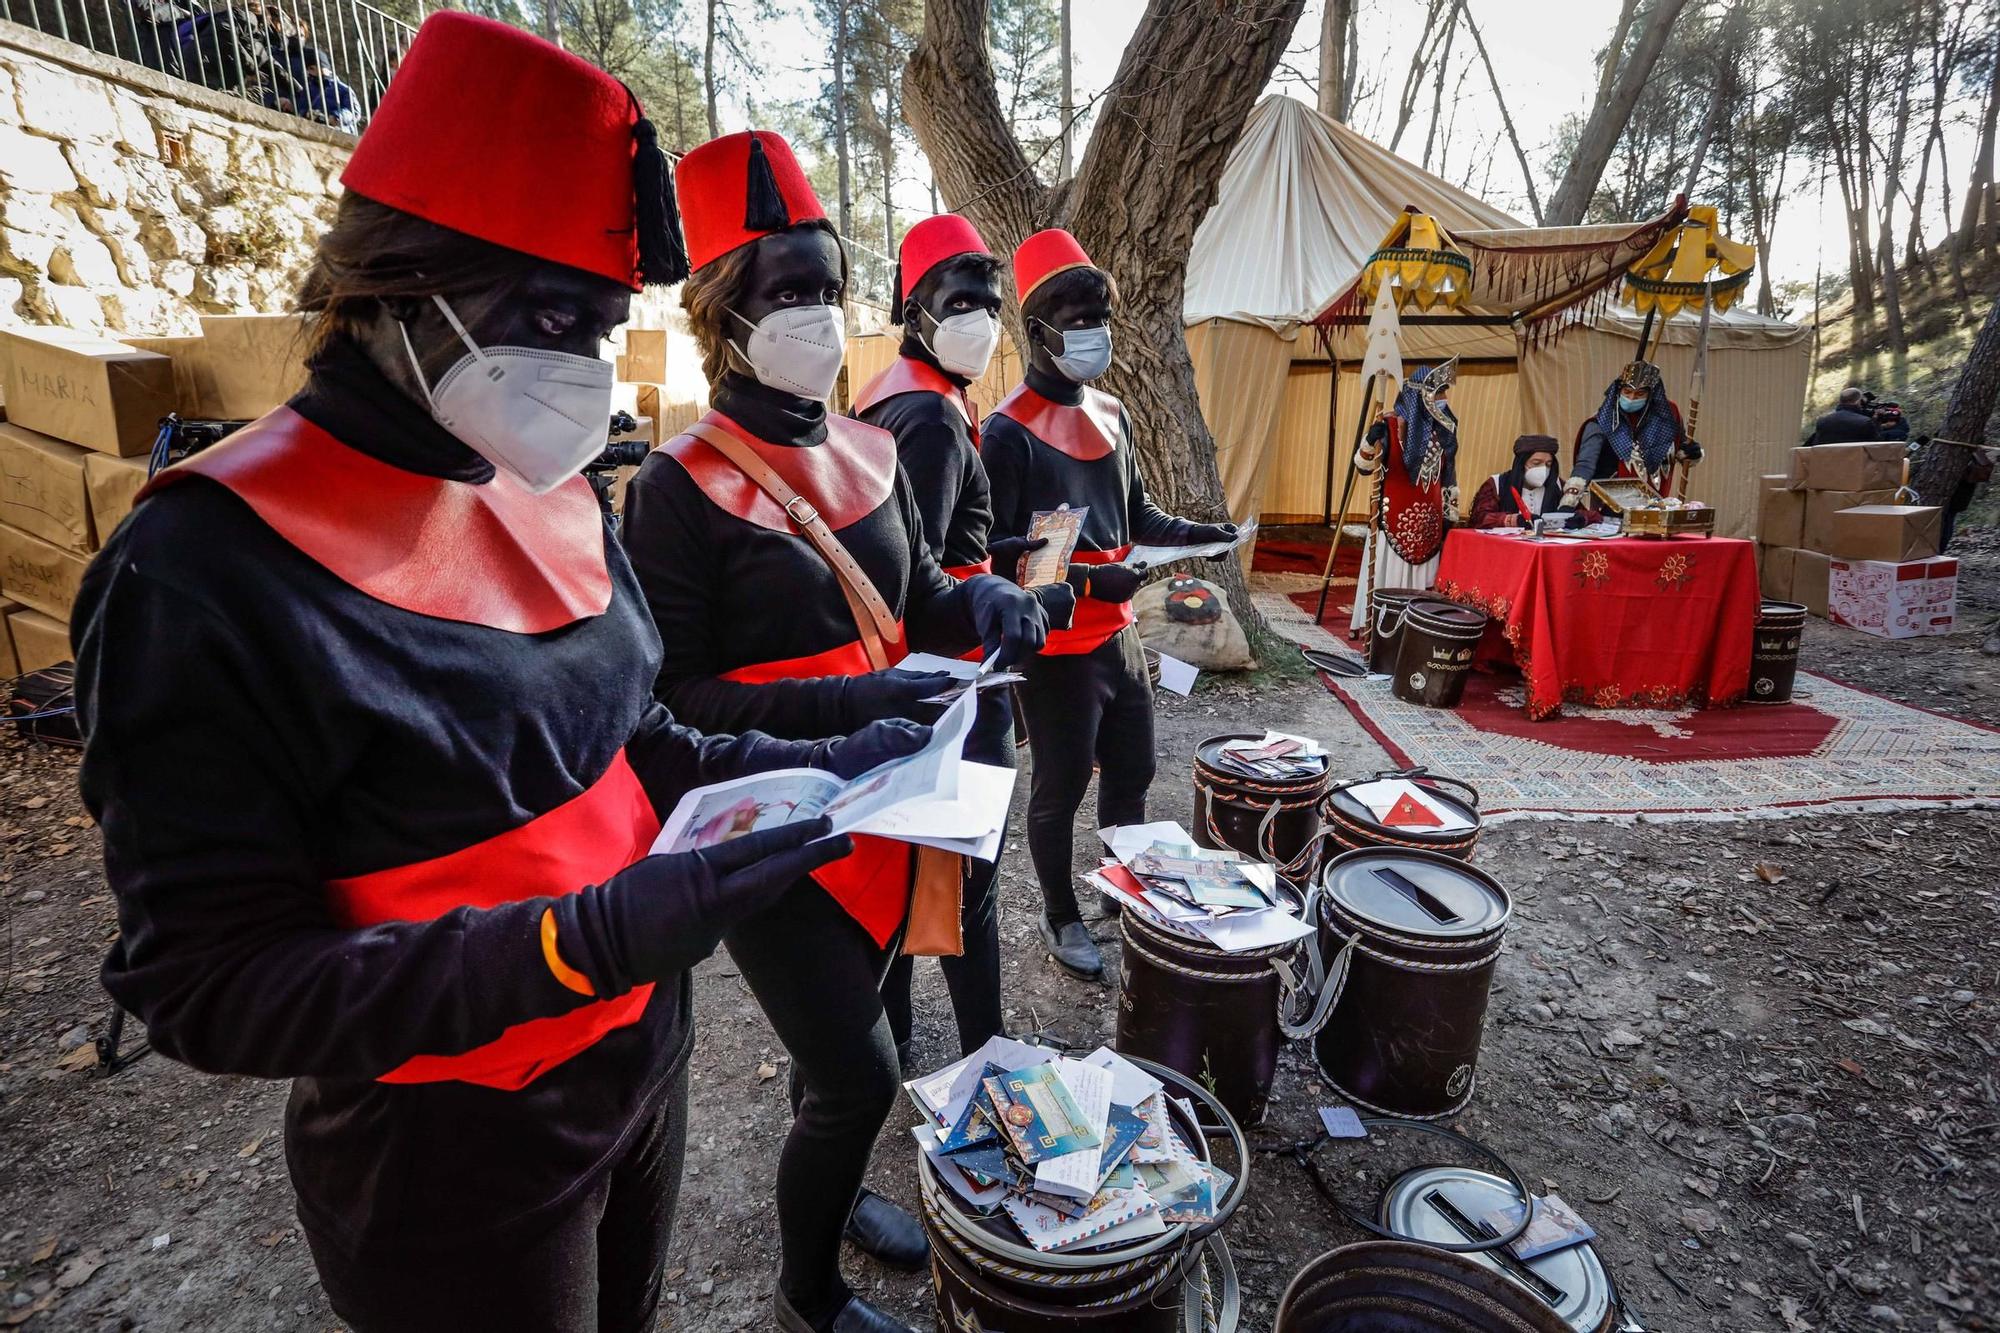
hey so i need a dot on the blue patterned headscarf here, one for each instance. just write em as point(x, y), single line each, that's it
point(1657, 434)
point(1424, 428)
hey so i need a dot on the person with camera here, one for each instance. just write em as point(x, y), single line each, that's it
point(1850, 422)
point(948, 302)
point(366, 690)
point(783, 553)
point(1087, 699)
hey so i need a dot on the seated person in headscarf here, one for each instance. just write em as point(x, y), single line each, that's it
point(1637, 432)
point(1531, 488)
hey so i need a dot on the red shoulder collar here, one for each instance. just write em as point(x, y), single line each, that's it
point(493, 555)
point(1084, 432)
point(906, 375)
point(847, 478)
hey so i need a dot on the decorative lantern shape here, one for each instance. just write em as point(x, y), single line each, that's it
point(1421, 264)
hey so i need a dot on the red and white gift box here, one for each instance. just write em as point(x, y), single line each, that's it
point(1893, 601)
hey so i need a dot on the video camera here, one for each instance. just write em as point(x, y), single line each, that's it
point(602, 471)
point(180, 438)
point(1890, 424)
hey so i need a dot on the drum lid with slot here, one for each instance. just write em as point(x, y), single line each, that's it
point(1577, 1273)
point(1416, 893)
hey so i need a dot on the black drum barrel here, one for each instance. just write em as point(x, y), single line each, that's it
point(1387, 1286)
point(1774, 652)
point(1435, 650)
point(1351, 824)
point(1422, 932)
point(1206, 1013)
point(1387, 629)
point(1235, 812)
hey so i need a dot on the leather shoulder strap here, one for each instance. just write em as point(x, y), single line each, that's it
point(872, 616)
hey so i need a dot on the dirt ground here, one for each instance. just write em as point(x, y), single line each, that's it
point(1758, 1057)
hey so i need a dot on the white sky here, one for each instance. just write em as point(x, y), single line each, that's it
point(1544, 52)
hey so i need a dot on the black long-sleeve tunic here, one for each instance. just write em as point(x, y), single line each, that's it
point(258, 728)
point(935, 442)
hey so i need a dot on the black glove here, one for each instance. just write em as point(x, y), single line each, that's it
point(877, 743)
point(662, 915)
point(1108, 583)
point(886, 694)
point(1691, 451)
point(1058, 604)
point(1008, 618)
point(1007, 553)
point(1201, 534)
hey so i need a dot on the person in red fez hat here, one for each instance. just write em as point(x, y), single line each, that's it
point(948, 303)
point(370, 733)
point(784, 551)
point(1057, 441)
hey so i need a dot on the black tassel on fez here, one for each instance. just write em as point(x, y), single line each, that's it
point(663, 257)
point(765, 208)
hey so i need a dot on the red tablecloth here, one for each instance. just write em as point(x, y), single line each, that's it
point(1632, 622)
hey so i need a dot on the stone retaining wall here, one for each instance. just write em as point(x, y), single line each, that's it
point(134, 203)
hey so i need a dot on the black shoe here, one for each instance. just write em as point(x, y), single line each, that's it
point(880, 1229)
point(857, 1316)
point(1073, 949)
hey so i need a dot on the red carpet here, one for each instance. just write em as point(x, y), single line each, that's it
point(1303, 551)
point(1339, 601)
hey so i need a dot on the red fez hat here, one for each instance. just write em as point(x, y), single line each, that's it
point(930, 243)
point(739, 187)
point(495, 133)
point(1044, 255)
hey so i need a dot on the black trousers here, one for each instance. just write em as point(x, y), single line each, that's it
point(972, 978)
point(594, 1267)
point(818, 976)
point(1084, 708)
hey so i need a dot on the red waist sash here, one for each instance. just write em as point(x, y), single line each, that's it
point(586, 840)
point(872, 883)
point(1094, 622)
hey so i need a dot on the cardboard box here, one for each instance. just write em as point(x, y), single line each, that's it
point(1796, 475)
point(195, 393)
point(1774, 481)
point(1816, 531)
point(42, 488)
point(36, 574)
point(645, 356)
point(259, 360)
point(1853, 467)
point(113, 484)
point(1809, 579)
point(10, 662)
point(94, 392)
point(1889, 532)
point(1781, 518)
point(39, 640)
point(1774, 571)
point(1894, 599)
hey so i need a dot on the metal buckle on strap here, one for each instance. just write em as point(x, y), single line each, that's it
point(806, 519)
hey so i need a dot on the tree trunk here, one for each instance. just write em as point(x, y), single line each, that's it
point(1937, 469)
point(1068, 166)
point(1979, 202)
point(1506, 119)
point(1614, 51)
point(1148, 175)
point(708, 73)
point(841, 150)
point(1333, 91)
point(1892, 284)
point(1705, 136)
point(1609, 117)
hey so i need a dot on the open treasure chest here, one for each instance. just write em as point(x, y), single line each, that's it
point(1647, 513)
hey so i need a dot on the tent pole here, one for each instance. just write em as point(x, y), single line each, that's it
point(1645, 332)
point(1347, 491)
point(1325, 336)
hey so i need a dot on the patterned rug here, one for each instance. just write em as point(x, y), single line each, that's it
point(1833, 749)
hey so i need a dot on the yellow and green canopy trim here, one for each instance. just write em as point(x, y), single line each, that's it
point(1692, 265)
point(1421, 263)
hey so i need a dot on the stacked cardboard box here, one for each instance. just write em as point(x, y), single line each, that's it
point(1836, 510)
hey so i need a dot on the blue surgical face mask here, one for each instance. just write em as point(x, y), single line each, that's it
point(1086, 353)
point(1632, 404)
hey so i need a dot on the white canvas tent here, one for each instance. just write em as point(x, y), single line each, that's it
point(1302, 203)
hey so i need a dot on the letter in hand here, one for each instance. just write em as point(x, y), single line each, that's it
point(1006, 553)
point(877, 743)
point(663, 914)
point(886, 694)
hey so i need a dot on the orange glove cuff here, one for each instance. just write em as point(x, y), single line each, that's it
point(563, 972)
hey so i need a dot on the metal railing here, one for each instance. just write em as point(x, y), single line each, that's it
point(327, 61)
